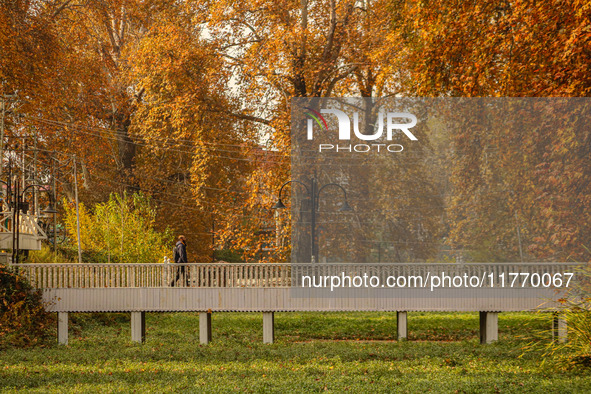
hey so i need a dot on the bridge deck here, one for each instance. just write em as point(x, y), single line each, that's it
point(269, 288)
point(277, 287)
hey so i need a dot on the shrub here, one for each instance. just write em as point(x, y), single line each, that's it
point(576, 351)
point(47, 255)
point(23, 319)
point(120, 230)
point(230, 256)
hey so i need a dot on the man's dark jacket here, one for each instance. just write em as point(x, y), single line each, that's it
point(180, 252)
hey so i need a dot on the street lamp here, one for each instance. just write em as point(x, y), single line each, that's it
point(314, 195)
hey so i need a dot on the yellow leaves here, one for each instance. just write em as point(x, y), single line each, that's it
point(85, 224)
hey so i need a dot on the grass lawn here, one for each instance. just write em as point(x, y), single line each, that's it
point(332, 352)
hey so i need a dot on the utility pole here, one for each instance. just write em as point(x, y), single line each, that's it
point(15, 233)
point(313, 192)
point(23, 163)
point(518, 236)
point(35, 194)
point(2, 120)
point(2, 127)
point(2, 134)
point(55, 202)
point(77, 211)
point(212, 239)
point(109, 237)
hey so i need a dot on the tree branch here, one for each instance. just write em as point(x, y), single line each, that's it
point(238, 44)
point(250, 118)
point(60, 8)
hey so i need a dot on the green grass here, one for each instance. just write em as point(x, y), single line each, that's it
point(314, 352)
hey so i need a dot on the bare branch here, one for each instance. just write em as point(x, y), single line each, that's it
point(250, 118)
point(231, 57)
point(238, 44)
point(61, 8)
point(249, 26)
point(339, 77)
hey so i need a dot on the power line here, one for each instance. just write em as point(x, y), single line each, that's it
point(181, 184)
point(181, 197)
point(89, 131)
point(414, 196)
point(106, 133)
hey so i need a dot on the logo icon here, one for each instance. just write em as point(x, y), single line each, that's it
point(392, 119)
point(317, 117)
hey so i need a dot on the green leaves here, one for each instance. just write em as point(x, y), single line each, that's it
point(121, 230)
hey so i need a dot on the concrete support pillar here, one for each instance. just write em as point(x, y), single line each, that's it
point(205, 327)
point(268, 327)
point(62, 328)
point(402, 326)
point(138, 327)
point(489, 327)
point(559, 328)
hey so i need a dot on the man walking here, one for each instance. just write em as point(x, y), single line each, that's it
point(180, 257)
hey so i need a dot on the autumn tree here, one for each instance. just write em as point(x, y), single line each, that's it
point(133, 110)
point(506, 198)
point(28, 49)
point(191, 103)
point(301, 49)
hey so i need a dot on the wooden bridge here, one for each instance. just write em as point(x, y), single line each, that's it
point(270, 288)
point(30, 232)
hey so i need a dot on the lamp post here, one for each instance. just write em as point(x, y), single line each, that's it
point(8, 200)
point(313, 192)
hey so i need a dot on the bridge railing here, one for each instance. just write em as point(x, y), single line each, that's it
point(258, 275)
point(27, 224)
point(156, 275)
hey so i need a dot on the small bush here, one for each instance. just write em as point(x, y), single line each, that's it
point(230, 256)
point(576, 310)
point(23, 319)
point(121, 230)
point(46, 256)
point(576, 351)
